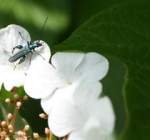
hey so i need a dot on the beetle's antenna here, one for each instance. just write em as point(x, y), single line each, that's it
point(43, 26)
point(21, 36)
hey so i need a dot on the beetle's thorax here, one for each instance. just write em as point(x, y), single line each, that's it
point(32, 46)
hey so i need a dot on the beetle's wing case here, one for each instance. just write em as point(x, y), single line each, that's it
point(18, 55)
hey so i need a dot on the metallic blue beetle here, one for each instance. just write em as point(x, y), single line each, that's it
point(24, 51)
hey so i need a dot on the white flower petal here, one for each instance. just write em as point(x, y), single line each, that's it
point(42, 52)
point(104, 112)
point(99, 124)
point(55, 99)
point(94, 130)
point(63, 117)
point(12, 36)
point(94, 66)
point(76, 135)
point(67, 114)
point(72, 66)
point(64, 107)
point(66, 63)
point(41, 80)
point(46, 104)
point(87, 89)
point(93, 134)
point(13, 79)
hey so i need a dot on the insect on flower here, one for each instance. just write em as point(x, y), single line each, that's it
point(24, 51)
point(16, 51)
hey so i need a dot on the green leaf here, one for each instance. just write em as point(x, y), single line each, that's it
point(87, 8)
point(123, 32)
point(8, 94)
point(54, 138)
point(19, 122)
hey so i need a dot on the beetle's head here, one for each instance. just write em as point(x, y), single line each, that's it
point(39, 43)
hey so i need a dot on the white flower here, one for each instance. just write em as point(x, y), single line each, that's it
point(69, 88)
point(65, 71)
point(13, 74)
point(81, 115)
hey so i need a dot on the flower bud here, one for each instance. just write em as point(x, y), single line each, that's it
point(36, 136)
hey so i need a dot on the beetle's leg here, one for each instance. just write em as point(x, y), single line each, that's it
point(22, 59)
point(17, 47)
point(30, 58)
point(38, 54)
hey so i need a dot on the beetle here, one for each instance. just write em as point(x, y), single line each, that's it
point(24, 51)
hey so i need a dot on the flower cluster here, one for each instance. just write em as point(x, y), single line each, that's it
point(69, 86)
point(8, 129)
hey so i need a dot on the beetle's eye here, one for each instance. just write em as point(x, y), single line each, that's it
point(39, 44)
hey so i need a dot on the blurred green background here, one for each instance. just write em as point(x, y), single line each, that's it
point(63, 15)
